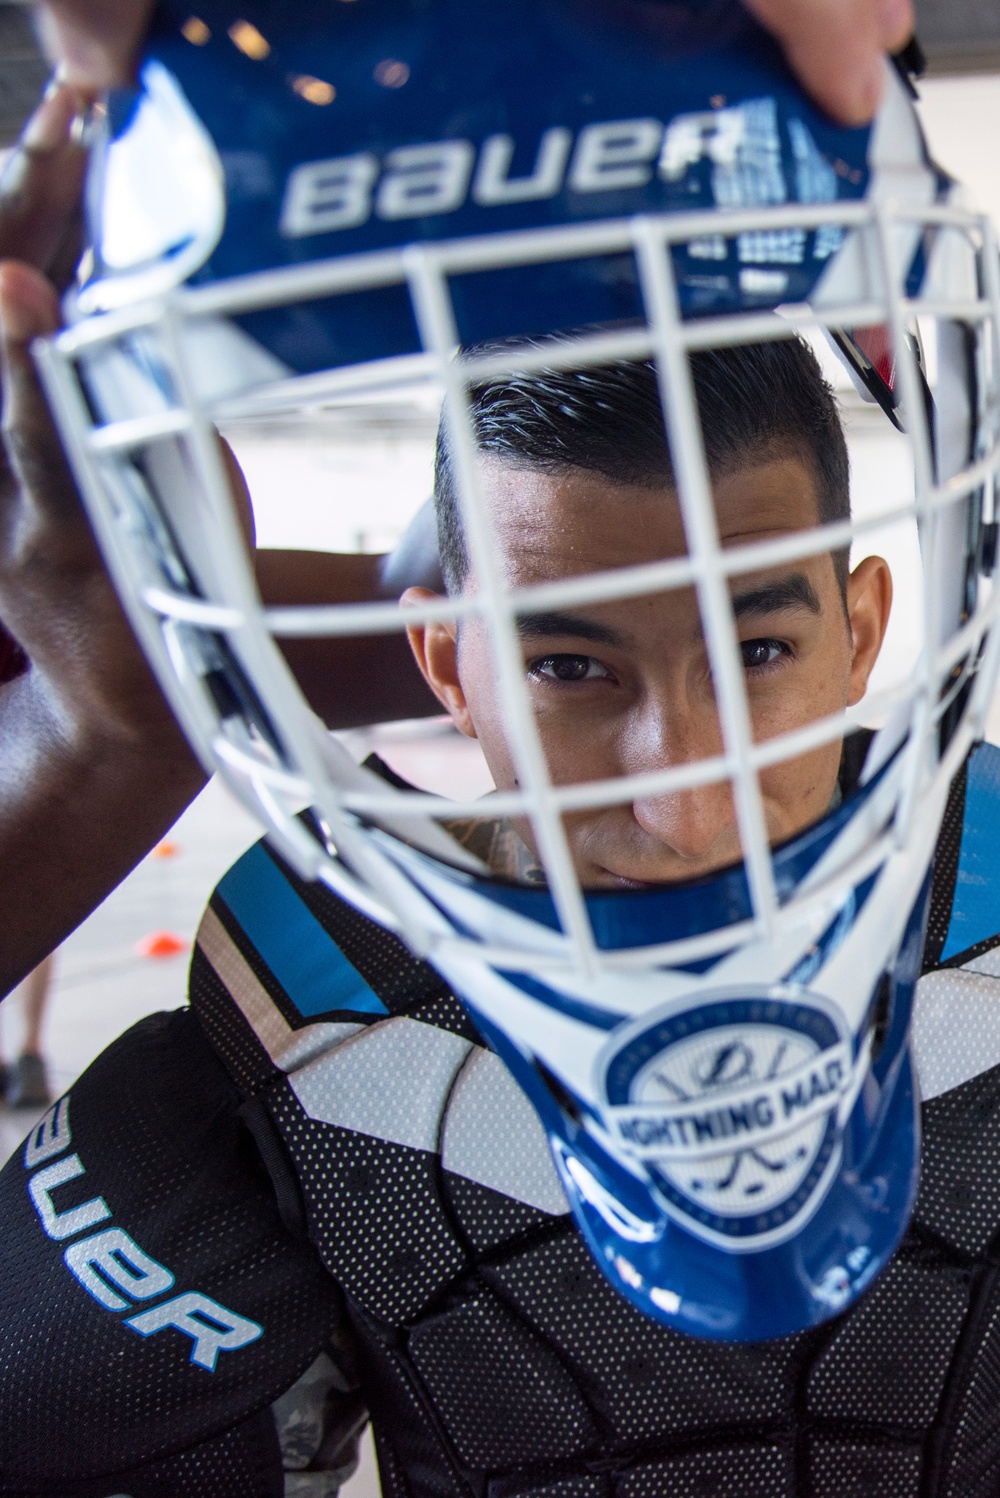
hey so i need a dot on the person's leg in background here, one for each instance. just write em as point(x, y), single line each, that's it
point(26, 1082)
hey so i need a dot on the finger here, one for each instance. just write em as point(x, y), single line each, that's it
point(42, 184)
point(837, 48)
point(896, 22)
point(29, 309)
point(44, 492)
point(94, 41)
point(54, 592)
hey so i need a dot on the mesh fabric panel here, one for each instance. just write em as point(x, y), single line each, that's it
point(244, 1461)
point(959, 1196)
point(414, 1455)
point(502, 1395)
point(846, 1468)
point(887, 1363)
point(375, 1212)
point(971, 1428)
point(488, 1218)
point(733, 1472)
point(645, 1378)
point(585, 1486)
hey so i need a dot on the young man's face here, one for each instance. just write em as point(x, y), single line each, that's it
point(623, 688)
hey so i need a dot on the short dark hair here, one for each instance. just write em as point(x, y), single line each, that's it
point(753, 398)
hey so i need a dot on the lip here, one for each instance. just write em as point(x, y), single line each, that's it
point(622, 881)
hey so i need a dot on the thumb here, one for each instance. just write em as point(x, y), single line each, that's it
point(41, 186)
point(837, 48)
point(94, 41)
point(29, 306)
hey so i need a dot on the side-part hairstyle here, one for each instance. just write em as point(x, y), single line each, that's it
point(756, 400)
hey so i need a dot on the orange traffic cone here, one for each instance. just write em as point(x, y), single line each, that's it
point(160, 944)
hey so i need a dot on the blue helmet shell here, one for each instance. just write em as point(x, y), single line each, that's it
point(453, 120)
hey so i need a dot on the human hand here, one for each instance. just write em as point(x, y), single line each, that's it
point(836, 48)
point(55, 595)
point(94, 42)
point(93, 768)
point(41, 187)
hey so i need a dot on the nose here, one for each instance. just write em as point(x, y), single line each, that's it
point(697, 825)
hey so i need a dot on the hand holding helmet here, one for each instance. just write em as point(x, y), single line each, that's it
point(86, 730)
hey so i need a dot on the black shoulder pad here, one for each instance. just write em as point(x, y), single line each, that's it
point(151, 1298)
point(245, 1461)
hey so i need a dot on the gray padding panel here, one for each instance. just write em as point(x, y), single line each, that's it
point(988, 964)
point(391, 1081)
point(492, 1135)
point(956, 1027)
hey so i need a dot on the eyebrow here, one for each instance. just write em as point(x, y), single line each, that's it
point(794, 591)
point(554, 623)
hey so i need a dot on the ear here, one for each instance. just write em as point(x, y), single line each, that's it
point(869, 599)
point(435, 650)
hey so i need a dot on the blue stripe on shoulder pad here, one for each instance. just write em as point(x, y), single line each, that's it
point(975, 914)
point(303, 957)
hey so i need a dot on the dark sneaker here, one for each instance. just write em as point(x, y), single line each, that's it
point(27, 1084)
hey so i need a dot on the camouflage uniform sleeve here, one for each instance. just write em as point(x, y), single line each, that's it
point(319, 1423)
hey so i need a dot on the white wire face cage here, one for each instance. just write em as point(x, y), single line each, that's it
point(566, 981)
point(161, 500)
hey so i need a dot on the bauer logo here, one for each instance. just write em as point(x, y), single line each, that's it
point(730, 157)
point(734, 1109)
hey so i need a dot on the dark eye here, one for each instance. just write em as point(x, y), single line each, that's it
point(568, 668)
point(758, 654)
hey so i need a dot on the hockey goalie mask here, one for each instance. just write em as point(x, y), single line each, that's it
point(701, 358)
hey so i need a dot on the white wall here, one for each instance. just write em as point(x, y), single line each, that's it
point(961, 117)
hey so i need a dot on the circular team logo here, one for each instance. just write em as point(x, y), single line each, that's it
point(733, 1109)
